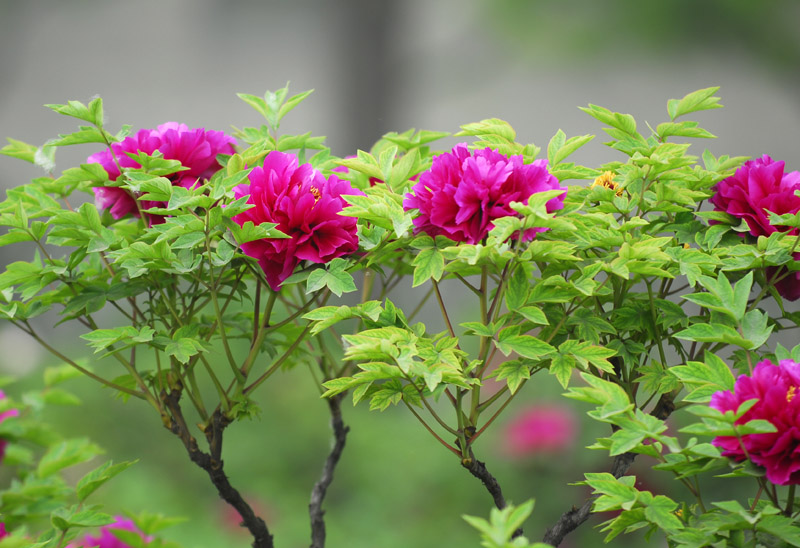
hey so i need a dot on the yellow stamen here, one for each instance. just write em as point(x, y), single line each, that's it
point(606, 180)
point(316, 193)
point(790, 393)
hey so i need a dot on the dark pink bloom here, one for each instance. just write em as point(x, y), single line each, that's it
point(540, 429)
point(757, 186)
point(106, 538)
point(3, 532)
point(776, 389)
point(463, 193)
point(196, 149)
point(3, 416)
point(306, 206)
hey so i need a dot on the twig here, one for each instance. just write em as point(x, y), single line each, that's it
point(478, 469)
point(315, 511)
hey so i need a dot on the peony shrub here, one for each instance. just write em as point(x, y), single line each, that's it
point(199, 267)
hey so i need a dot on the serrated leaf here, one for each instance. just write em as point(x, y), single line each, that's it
point(90, 482)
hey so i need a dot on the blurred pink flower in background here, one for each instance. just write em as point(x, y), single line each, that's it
point(540, 429)
point(3, 416)
point(196, 149)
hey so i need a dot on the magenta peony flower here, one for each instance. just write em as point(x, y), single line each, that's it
point(106, 539)
point(196, 149)
point(3, 532)
point(305, 205)
point(3, 416)
point(757, 186)
point(462, 193)
point(775, 387)
point(540, 429)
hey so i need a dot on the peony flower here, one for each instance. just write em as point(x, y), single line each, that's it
point(776, 389)
point(462, 193)
point(3, 416)
point(106, 539)
point(757, 186)
point(3, 532)
point(306, 206)
point(540, 429)
point(196, 149)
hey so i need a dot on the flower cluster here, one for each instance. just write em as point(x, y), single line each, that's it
point(776, 388)
point(305, 205)
point(195, 149)
point(759, 186)
point(463, 193)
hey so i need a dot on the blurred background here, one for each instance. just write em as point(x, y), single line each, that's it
point(378, 66)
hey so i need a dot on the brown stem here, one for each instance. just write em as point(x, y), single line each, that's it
point(478, 469)
point(315, 511)
point(571, 519)
point(213, 465)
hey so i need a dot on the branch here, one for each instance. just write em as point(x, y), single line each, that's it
point(570, 520)
point(315, 511)
point(212, 464)
point(478, 469)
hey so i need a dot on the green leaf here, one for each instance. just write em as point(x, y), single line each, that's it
point(782, 527)
point(92, 114)
point(90, 482)
point(18, 149)
point(705, 378)
point(517, 290)
point(334, 277)
point(526, 346)
point(661, 512)
point(514, 372)
point(561, 366)
point(103, 338)
point(66, 518)
point(714, 332)
point(65, 454)
point(701, 99)
point(429, 263)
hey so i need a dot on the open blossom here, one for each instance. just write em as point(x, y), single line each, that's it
point(3, 416)
point(196, 149)
point(106, 538)
point(306, 206)
point(776, 388)
point(540, 429)
point(463, 193)
point(759, 186)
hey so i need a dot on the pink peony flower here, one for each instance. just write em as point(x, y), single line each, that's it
point(196, 149)
point(540, 429)
point(306, 206)
point(757, 186)
point(462, 193)
point(775, 387)
point(3, 416)
point(106, 539)
point(3, 532)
